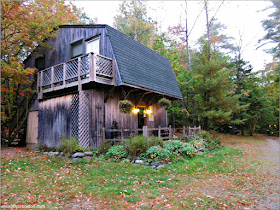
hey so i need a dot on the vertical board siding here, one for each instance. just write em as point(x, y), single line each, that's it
point(54, 120)
point(60, 52)
point(32, 128)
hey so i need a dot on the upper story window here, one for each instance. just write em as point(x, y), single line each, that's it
point(40, 63)
point(76, 49)
point(92, 45)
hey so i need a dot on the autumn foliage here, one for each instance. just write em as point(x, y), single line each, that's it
point(26, 24)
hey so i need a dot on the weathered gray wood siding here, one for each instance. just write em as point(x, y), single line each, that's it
point(113, 114)
point(61, 45)
point(54, 120)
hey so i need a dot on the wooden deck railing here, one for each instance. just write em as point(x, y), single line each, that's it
point(75, 72)
point(166, 133)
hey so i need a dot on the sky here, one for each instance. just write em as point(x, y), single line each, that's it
point(242, 18)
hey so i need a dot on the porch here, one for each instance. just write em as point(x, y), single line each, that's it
point(76, 72)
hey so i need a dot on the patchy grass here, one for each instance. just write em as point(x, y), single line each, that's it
point(232, 177)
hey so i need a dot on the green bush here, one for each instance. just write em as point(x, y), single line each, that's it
point(117, 153)
point(211, 141)
point(197, 142)
point(104, 147)
point(70, 145)
point(137, 145)
point(174, 147)
point(155, 141)
point(177, 148)
point(188, 150)
point(157, 153)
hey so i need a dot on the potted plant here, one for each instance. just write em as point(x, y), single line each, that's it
point(125, 106)
point(164, 102)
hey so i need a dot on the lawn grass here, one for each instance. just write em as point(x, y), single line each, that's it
point(219, 179)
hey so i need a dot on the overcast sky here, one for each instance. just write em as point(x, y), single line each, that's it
point(241, 18)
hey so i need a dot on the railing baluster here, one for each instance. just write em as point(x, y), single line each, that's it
point(64, 75)
point(52, 78)
point(41, 88)
point(79, 74)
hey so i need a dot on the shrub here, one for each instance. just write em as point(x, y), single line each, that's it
point(70, 145)
point(125, 106)
point(137, 145)
point(157, 153)
point(177, 148)
point(117, 153)
point(155, 141)
point(188, 150)
point(211, 142)
point(174, 147)
point(104, 147)
point(197, 142)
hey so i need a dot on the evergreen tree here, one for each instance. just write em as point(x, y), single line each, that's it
point(213, 87)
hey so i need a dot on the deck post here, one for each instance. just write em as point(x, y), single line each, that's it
point(64, 75)
point(41, 85)
point(122, 134)
point(52, 78)
point(92, 73)
point(145, 131)
point(170, 132)
point(113, 68)
point(91, 67)
point(103, 134)
point(159, 131)
point(189, 134)
point(184, 131)
point(79, 74)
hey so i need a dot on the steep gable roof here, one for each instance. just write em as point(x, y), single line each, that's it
point(141, 66)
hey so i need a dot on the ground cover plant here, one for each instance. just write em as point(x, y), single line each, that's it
point(231, 177)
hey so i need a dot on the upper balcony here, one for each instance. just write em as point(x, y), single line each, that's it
point(76, 72)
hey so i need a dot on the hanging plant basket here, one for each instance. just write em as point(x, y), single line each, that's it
point(164, 102)
point(184, 112)
point(125, 106)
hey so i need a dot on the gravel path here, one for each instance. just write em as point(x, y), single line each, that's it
point(272, 153)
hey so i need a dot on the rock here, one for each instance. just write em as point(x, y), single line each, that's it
point(50, 154)
point(126, 161)
point(201, 149)
point(62, 154)
point(78, 155)
point(76, 159)
point(154, 167)
point(139, 161)
point(87, 158)
point(137, 158)
point(146, 164)
point(160, 166)
point(88, 153)
point(56, 153)
point(155, 164)
point(45, 153)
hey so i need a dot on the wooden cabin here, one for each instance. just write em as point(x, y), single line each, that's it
point(84, 76)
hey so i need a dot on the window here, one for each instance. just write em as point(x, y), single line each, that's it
point(76, 49)
point(93, 45)
point(40, 63)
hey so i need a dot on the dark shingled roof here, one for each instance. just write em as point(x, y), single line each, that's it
point(141, 66)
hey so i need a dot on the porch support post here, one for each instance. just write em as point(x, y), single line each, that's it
point(145, 131)
point(170, 132)
point(159, 131)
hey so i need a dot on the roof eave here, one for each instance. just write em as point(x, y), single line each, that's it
point(146, 89)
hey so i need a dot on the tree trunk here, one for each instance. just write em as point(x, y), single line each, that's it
point(206, 123)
